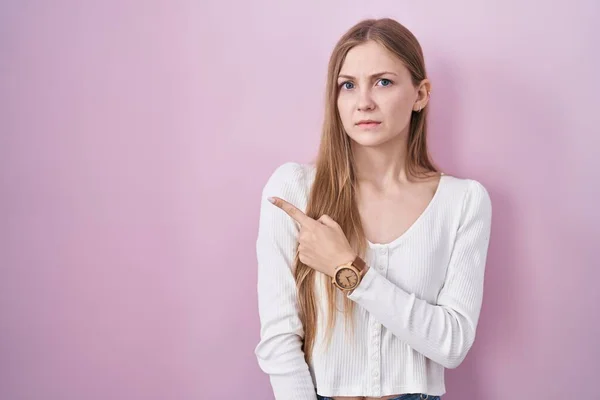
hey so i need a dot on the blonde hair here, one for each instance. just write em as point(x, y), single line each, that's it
point(333, 190)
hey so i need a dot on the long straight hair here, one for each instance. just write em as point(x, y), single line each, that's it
point(334, 187)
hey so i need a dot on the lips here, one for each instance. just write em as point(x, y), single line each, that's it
point(368, 123)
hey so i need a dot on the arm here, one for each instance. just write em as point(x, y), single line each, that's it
point(279, 351)
point(443, 332)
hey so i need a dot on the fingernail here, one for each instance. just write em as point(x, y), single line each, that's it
point(272, 200)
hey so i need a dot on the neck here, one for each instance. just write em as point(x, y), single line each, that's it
point(382, 164)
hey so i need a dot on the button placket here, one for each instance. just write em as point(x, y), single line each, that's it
point(371, 362)
point(375, 356)
point(382, 261)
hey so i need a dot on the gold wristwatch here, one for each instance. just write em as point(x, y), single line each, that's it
point(347, 276)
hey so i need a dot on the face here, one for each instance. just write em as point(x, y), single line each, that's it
point(376, 95)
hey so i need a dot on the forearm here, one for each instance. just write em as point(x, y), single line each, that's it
point(441, 333)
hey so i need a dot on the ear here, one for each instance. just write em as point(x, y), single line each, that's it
point(423, 95)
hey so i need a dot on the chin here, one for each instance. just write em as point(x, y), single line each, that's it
point(370, 139)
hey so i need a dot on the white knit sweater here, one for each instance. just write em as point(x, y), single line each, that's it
point(417, 306)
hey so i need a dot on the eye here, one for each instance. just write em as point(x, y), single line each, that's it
point(385, 82)
point(347, 85)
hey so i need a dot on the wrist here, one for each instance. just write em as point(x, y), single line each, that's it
point(350, 273)
point(345, 259)
point(349, 257)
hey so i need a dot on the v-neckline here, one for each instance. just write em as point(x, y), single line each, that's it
point(418, 221)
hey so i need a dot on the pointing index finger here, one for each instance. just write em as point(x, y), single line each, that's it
point(292, 211)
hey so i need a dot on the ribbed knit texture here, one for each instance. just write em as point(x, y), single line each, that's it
point(417, 306)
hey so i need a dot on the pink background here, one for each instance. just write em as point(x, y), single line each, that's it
point(136, 136)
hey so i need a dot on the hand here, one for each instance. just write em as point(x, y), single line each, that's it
point(322, 244)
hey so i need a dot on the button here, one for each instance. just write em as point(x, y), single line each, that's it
point(383, 250)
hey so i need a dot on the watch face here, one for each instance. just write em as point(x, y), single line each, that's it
point(346, 278)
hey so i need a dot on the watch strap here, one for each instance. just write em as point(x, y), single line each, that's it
point(359, 264)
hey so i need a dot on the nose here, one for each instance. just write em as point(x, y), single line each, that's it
point(365, 100)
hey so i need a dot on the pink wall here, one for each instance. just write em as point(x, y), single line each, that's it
point(135, 137)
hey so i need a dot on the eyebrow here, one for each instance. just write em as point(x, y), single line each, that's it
point(377, 75)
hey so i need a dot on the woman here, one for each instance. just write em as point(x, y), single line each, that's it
point(374, 232)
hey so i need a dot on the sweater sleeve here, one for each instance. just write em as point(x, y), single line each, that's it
point(279, 351)
point(443, 332)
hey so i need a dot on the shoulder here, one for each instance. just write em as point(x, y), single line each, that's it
point(477, 196)
point(287, 174)
point(467, 187)
point(289, 181)
point(470, 196)
point(474, 198)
